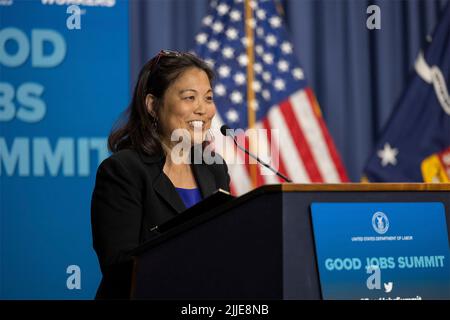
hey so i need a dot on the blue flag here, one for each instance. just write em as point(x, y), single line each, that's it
point(415, 144)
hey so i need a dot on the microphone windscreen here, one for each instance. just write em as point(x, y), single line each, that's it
point(224, 128)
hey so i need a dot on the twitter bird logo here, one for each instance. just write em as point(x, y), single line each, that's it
point(388, 287)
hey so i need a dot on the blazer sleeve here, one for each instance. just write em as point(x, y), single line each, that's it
point(116, 210)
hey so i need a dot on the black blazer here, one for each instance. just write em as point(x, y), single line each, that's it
point(131, 196)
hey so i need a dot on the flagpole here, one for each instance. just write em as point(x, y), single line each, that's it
point(251, 116)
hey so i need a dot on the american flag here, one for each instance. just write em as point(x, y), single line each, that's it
point(282, 101)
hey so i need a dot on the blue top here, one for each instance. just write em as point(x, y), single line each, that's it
point(189, 196)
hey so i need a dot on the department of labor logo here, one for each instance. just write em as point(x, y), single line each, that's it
point(380, 222)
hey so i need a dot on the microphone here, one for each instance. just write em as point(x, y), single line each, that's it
point(227, 131)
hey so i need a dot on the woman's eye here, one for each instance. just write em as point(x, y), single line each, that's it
point(192, 98)
point(210, 98)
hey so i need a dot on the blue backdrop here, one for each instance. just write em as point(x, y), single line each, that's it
point(61, 90)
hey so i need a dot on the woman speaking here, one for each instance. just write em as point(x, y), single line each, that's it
point(141, 185)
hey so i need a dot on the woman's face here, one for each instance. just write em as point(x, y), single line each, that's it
point(188, 104)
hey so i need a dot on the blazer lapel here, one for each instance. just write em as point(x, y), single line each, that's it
point(164, 187)
point(205, 179)
point(166, 190)
point(162, 184)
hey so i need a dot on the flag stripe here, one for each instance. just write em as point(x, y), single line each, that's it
point(307, 119)
point(259, 178)
point(329, 142)
point(248, 161)
point(275, 145)
point(301, 143)
point(289, 152)
point(264, 147)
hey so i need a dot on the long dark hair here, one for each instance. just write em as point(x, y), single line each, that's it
point(137, 128)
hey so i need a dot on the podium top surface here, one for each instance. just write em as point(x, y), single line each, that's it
point(207, 214)
point(295, 187)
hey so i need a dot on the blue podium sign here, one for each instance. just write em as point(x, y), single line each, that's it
point(385, 251)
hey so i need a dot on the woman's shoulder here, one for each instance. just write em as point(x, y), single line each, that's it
point(124, 157)
point(128, 159)
point(132, 160)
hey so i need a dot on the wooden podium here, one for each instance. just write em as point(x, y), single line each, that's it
point(257, 246)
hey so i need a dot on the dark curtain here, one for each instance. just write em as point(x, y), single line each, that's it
point(357, 73)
